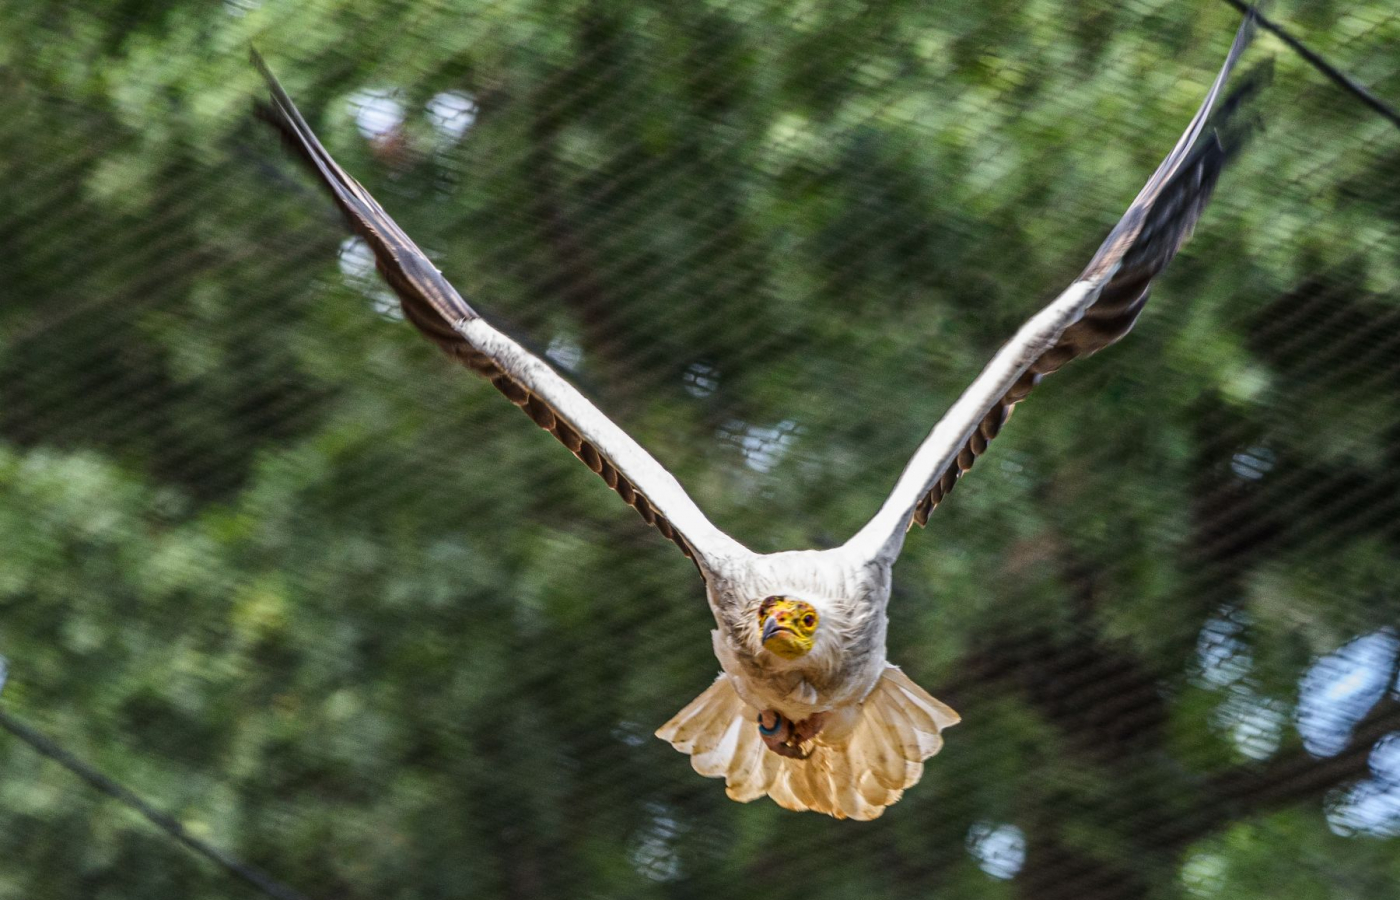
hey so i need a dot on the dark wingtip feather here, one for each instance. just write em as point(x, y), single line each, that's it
point(1234, 128)
point(274, 115)
point(1172, 215)
point(429, 301)
point(282, 114)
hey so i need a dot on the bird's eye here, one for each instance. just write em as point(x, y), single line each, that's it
point(809, 620)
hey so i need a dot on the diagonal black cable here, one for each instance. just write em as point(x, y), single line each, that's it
point(1345, 81)
point(164, 821)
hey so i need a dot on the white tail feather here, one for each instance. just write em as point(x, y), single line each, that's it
point(859, 772)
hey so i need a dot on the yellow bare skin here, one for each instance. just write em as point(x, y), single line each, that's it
point(788, 626)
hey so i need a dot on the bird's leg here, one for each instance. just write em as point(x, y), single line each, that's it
point(809, 727)
point(777, 731)
point(785, 737)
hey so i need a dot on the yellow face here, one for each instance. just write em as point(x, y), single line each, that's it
point(787, 626)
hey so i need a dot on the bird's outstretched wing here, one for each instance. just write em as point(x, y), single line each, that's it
point(435, 307)
point(1095, 311)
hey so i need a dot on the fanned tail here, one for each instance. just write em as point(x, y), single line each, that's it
point(852, 772)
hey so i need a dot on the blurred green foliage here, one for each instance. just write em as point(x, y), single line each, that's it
point(271, 561)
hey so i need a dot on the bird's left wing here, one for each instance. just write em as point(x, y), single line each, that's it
point(1100, 307)
point(435, 307)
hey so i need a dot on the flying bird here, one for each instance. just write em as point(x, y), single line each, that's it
point(807, 709)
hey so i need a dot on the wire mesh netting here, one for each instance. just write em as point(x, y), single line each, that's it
point(272, 564)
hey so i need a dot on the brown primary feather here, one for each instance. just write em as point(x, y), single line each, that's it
point(1138, 248)
point(429, 301)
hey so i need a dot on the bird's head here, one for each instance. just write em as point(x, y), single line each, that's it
point(787, 627)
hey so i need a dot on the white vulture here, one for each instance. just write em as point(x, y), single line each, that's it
point(807, 710)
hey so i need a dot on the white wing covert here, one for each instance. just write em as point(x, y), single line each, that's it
point(1098, 309)
point(435, 307)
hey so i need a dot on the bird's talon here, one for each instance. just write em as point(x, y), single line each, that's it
point(785, 737)
point(809, 727)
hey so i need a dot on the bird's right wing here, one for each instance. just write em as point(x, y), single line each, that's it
point(1100, 307)
point(435, 307)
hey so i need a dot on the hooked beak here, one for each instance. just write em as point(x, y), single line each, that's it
point(770, 628)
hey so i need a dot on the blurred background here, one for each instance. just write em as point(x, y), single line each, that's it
point(269, 560)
